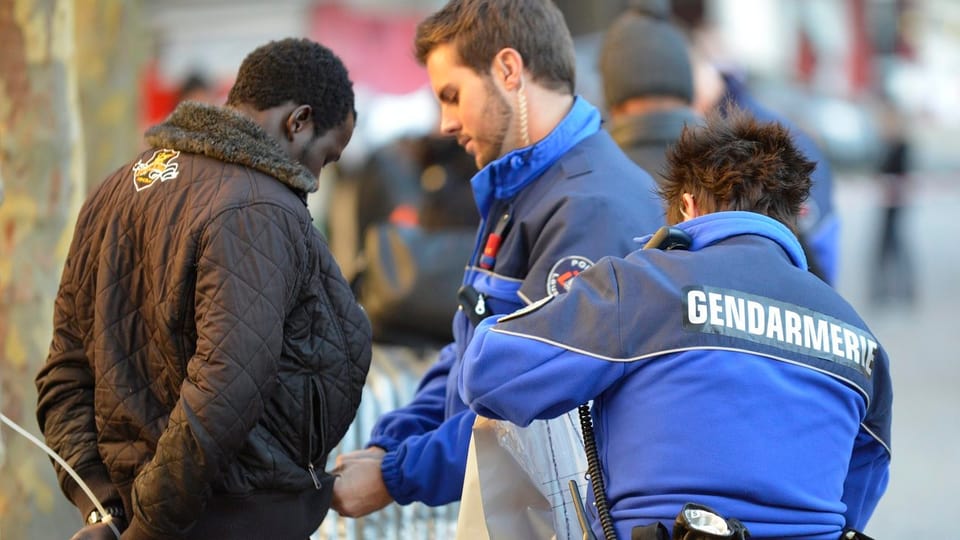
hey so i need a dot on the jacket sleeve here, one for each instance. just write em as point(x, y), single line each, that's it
point(866, 481)
point(869, 470)
point(430, 467)
point(518, 379)
point(424, 413)
point(247, 271)
point(65, 388)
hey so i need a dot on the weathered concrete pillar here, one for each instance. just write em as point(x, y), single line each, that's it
point(51, 52)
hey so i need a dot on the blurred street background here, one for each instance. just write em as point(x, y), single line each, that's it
point(920, 339)
point(81, 80)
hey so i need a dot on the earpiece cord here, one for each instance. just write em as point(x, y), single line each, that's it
point(107, 518)
point(522, 102)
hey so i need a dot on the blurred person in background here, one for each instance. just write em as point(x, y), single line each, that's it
point(555, 194)
point(207, 353)
point(414, 181)
point(723, 374)
point(196, 87)
point(417, 223)
point(647, 83)
point(819, 223)
point(893, 276)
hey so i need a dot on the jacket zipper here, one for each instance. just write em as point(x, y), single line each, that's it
point(313, 474)
point(313, 391)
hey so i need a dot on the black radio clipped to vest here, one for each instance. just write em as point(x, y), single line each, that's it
point(667, 238)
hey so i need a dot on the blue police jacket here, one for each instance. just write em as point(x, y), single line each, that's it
point(548, 211)
point(818, 223)
point(725, 375)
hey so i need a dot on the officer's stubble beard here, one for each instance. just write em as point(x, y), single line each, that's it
point(498, 111)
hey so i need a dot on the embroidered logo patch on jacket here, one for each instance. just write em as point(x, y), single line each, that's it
point(162, 166)
point(562, 273)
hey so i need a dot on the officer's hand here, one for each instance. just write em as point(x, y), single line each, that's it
point(97, 531)
point(358, 489)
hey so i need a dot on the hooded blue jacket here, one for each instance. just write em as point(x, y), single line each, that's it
point(556, 206)
point(725, 375)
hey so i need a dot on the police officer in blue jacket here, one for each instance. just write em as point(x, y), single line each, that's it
point(726, 374)
point(555, 194)
point(818, 224)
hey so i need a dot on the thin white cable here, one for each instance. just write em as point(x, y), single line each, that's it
point(107, 518)
point(524, 127)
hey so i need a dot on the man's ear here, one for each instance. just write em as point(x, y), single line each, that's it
point(508, 68)
point(689, 208)
point(299, 119)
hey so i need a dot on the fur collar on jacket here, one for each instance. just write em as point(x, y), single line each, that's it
point(224, 134)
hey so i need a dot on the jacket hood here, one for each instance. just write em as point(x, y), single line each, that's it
point(224, 134)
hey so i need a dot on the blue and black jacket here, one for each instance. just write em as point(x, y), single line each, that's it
point(548, 212)
point(726, 375)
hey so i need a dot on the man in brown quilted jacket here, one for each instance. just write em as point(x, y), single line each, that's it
point(207, 353)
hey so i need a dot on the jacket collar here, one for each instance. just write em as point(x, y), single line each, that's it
point(713, 228)
point(224, 134)
point(506, 176)
point(657, 127)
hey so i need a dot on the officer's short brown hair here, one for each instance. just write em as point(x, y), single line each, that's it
point(479, 29)
point(735, 162)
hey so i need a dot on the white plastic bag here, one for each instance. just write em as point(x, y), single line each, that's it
point(516, 483)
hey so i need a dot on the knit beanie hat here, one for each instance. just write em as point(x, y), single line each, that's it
point(644, 54)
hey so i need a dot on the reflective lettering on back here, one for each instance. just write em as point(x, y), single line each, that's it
point(777, 324)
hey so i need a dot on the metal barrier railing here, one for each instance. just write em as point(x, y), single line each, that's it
point(394, 374)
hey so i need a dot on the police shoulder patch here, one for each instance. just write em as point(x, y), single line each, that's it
point(563, 272)
point(161, 166)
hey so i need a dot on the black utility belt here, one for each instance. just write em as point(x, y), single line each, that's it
point(694, 522)
point(698, 522)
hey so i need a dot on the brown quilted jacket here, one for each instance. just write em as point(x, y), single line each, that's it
point(207, 353)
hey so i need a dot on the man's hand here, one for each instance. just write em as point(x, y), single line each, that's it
point(97, 531)
point(359, 489)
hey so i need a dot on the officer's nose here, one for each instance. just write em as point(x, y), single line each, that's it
point(449, 122)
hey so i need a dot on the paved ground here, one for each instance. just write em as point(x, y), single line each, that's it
point(923, 341)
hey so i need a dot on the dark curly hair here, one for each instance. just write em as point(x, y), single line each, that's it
point(736, 162)
point(299, 71)
point(479, 29)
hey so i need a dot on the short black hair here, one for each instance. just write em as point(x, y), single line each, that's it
point(297, 70)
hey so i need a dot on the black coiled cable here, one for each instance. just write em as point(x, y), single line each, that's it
point(596, 475)
point(666, 238)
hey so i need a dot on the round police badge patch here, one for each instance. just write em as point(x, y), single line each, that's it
point(562, 273)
